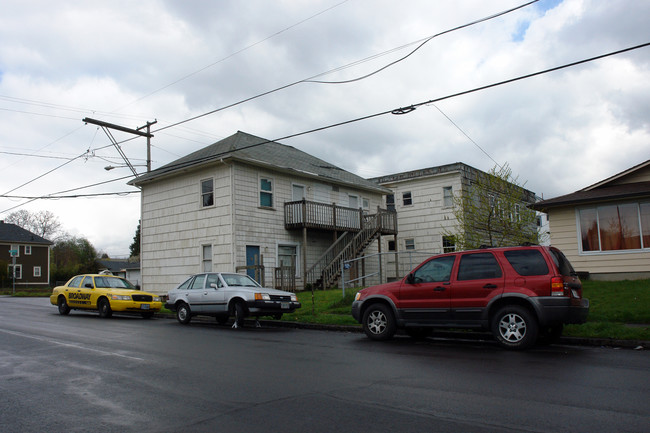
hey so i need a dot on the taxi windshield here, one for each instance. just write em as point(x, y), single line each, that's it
point(113, 283)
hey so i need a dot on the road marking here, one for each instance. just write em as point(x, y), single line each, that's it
point(76, 346)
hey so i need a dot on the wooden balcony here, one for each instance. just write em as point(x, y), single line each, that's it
point(323, 216)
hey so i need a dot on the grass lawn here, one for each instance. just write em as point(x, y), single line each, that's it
point(619, 309)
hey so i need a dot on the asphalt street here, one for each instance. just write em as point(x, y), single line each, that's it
point(80, 373)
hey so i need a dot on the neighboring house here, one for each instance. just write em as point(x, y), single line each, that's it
point(31, 253)
point(424, 201)
point(246, 203)
point(128, 269)
point(604, 229)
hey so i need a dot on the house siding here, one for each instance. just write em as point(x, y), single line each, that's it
point(40, 256)
point(175, 227)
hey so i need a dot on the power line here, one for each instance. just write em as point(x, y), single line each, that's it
point(100, 194)
point(311, 79)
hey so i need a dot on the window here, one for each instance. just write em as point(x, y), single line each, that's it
point(15, 248)
point(266, 192)
point(447, 196)
point(18, 269)
point(297, 192)
point(478, 266)
point(409, 244)
point(353, 201)
point(37, 271)
point(390, 202)
point(407, 199)
point(76, 282)
point(198, 282)
point(28, 250)
point(207, 192)
point(207, 258)
point(391, 245)
point(527, 262)
point(287, 255)
point(448, 244)
point(365, 204)
point(615, 227)
point(435, 270)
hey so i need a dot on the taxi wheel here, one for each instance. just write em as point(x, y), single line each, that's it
point(63, 306)
point(104, 308)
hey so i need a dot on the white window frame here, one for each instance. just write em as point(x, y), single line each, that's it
point(353, 197)
point(201, 193)
point(17, 249)
point(13, 268)
point(409, 244)
point(28, 250)
point(37, 272)
point(297, 256)
point(447, 199)
point(410, 198)
point(262, 191)
point(206, 263)
point(293, 195)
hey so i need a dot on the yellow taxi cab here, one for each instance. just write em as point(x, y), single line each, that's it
point(104, 293)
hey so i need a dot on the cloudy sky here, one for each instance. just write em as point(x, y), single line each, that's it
point(128, 63)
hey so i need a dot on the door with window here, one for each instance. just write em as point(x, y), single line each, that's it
point(479, 279)
point(425, 296)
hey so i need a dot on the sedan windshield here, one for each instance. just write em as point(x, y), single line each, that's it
point(239, 280)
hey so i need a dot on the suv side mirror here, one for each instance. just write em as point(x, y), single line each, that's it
point(410, 279)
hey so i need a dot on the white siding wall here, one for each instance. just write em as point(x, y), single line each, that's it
point(426, 219)
point(175, 226)
point(264, 227)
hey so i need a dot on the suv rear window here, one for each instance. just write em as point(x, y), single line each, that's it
point(527, 262)
point(562, 263)
point(478, 266)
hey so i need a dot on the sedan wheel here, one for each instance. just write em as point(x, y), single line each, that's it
point(104, 308)
point(63, 306)
point(183, 313)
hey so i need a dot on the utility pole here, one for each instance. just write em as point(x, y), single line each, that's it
point(105, 126)
point(148, 126)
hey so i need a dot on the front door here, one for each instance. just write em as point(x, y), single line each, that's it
point(253, 259)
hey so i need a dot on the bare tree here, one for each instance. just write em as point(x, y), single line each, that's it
point(493, 211)
point(43, 223)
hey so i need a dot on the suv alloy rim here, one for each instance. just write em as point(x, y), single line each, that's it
point(512, 327)
point(377, 322)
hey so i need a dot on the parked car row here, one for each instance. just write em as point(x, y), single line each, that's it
point(522, 295)
point(217, 294)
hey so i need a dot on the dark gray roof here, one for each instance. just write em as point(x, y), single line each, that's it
point(13, 233)
point(600, 194)
point(258, 151)
point(115, 265)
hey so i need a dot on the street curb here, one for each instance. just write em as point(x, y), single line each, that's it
point(450, 335)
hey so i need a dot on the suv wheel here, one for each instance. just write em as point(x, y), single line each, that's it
point(183, 313)
point(378, 322)
point(514, 327)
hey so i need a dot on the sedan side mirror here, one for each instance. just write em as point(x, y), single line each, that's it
point(214, 286)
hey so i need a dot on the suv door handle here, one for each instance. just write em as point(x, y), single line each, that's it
point(439, 289)
point(490, 286)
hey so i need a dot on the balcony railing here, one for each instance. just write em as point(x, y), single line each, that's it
point(314, 215)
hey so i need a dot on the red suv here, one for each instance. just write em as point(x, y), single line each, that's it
point(519, 293)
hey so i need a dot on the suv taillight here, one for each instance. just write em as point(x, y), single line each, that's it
point(557, 286)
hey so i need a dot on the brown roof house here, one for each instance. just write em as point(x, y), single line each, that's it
point(27, 253)
point(604, 229)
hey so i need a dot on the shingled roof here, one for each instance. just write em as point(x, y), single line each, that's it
point(11, 233)
point(258, 151)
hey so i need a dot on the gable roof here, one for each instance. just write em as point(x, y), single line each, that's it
point(261, 152)
point(612, 188)
point(11, 233)
point(115, 265)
